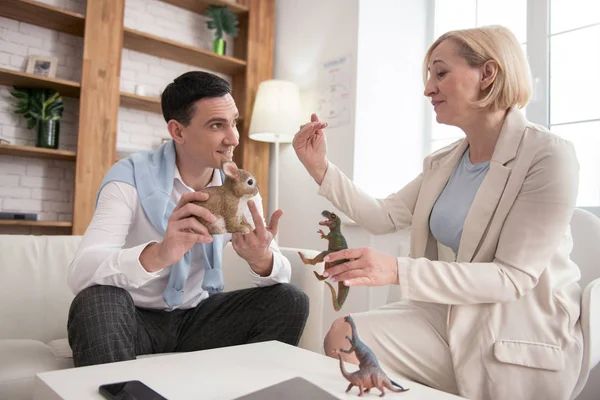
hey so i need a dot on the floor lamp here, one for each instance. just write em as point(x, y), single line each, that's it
point(275, 117)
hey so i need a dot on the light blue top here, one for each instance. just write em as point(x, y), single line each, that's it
point(451, 208)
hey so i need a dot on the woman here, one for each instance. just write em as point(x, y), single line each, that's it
point(490, 299)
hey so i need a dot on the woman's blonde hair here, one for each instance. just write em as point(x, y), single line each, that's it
point(512, 85)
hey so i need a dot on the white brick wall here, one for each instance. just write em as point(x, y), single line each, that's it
point(46, 186)
point(37, 185)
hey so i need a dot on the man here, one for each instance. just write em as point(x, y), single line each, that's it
point(147, 275)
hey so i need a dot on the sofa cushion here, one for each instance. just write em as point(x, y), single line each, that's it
point(61, 348)
point(26, 357)
point(33, 280)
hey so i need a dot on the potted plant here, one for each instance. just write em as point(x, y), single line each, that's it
point(42, 108)
point(223, 21)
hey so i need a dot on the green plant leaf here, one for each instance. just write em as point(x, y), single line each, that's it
point(55, 109)
point(19, 95)
point(230, 23)
point(35, 114)
point(220, 15)
point(36, 104)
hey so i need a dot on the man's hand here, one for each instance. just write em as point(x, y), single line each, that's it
point(254, 246)
point(183, 232)
point(367, 267)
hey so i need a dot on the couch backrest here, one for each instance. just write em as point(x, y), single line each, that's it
point(34, 294)
point(585, 228)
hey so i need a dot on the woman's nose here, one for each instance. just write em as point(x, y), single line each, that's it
point(430, 88)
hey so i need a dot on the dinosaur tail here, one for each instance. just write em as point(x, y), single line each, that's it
point(338, 300)
point(343, 292)
point(345, 373)
point(393, 386)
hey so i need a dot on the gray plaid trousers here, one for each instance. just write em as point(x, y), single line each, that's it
point(105, 326)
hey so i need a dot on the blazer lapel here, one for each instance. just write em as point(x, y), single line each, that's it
point(490, 192)
point(434, 182)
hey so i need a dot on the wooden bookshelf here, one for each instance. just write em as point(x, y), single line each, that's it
point(200, 6)
point(39, 224)
point(104, 38)
point(66, 88)
point(37, 152)
point(46, 16)
point(143, 103)
point(166, 48)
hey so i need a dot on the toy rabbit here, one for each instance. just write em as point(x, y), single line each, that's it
point(228, 202)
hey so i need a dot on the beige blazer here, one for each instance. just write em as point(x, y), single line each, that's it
point(513, 320)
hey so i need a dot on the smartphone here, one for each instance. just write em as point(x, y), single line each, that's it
point(129, 390)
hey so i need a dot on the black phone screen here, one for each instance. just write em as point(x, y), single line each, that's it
point(130, 390)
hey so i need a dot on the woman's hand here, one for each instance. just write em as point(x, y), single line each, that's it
point(311, 148)
point(367, 267)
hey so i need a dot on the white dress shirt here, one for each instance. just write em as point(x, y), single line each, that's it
point(110, 250)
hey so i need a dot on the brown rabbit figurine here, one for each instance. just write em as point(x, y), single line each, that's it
point(229, 201)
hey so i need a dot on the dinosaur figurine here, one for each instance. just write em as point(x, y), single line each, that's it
point(336, 242)
point(369, 374)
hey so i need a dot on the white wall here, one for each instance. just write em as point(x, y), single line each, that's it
point(308, 33)
point(386, 39)
point(389, 97)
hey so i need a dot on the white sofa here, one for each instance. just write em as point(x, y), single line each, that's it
point(35, 301)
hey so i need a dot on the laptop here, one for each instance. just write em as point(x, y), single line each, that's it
point(292, 389)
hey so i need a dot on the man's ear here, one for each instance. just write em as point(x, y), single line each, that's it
point(175, 130)
point(489, 70)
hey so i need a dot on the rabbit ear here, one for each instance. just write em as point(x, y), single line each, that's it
point(231, 170)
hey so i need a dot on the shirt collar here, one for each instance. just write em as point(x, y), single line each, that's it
point(215, 181)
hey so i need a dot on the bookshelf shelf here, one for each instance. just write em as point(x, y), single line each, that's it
point(38, 152)
point(166, 48)
point(46, 16)
point(200, 6)
point(143, 103)
point(40, 224)
point(66, 88)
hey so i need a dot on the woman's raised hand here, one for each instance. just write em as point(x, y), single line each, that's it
point(311, 148)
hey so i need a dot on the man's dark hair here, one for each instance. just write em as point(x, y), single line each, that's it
point(180, 96)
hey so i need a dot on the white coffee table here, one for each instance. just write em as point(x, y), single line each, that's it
point(223, 373)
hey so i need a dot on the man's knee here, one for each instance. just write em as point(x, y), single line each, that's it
point(98, 298)
point(336, 337)
point(293, 299)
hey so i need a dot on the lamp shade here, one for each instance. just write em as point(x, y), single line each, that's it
point(276, 113)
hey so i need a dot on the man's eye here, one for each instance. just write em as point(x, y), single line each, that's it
point(441, 74)
point(234, 123)
point(216, 126)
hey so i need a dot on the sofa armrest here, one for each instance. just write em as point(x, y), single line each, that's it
point(302, 277)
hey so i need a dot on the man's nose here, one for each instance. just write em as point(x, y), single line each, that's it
point(232, 138)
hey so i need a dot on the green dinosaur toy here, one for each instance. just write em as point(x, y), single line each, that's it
point(336, 242)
